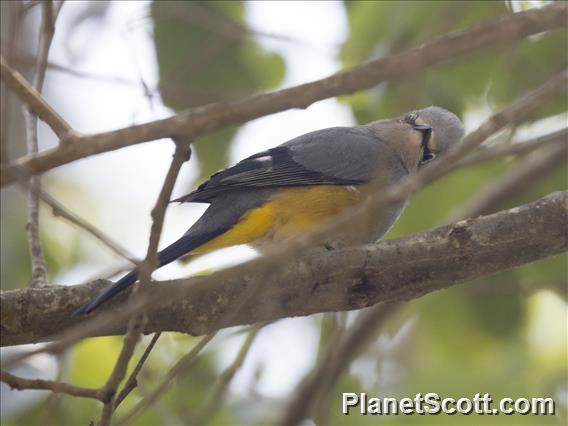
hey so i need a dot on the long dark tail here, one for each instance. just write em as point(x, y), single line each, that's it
point(184, 245)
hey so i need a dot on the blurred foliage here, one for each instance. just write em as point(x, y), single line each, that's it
point(15, 262)
point(379, 28)
point(475, 338)
point(206, 53)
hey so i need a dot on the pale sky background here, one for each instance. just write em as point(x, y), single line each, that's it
point(118, 189)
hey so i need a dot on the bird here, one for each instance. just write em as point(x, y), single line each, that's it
point(296, 187)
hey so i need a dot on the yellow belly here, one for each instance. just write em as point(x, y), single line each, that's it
point(289, 213)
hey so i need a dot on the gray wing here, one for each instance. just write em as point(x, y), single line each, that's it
point(334, 156)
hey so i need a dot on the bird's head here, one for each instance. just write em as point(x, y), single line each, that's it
point(420, 136)
point(440, 130)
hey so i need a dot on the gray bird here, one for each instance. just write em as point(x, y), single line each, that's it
point(296, 187)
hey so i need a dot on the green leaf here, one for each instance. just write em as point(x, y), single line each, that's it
point(206, 53)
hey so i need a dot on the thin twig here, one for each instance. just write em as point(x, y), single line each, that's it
point(218, 394)
point(32, 98)
point(24, 60)
point(133, 333)
point(336, 359)
point(150, 263)
point(132, 381)
point(527, 173)
point(518, 148)
point(59, 209)
point(21, 383)
point(39, 268)
point(181, 367)
point(206, 119)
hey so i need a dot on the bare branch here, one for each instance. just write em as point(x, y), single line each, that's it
point(336, 359)
point(323, 281)
point(133, 332)
point(59, 209)
point(21, 383)
point(33, 100)
point(39, 268)
point(203, 120)
point(132, 381)
point(181, 367)
point(518, 148)
point(523, 176)
point(24, 60)
point(218, 394)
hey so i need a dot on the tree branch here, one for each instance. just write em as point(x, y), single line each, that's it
point(21, 383)
point(132, 381)
point(527, 173)
point(337, 357)
point(181, 367)
point(217, 398)
point(203, 120)
point(346, 279)
point(39, 268)
point(33, 99)
point(518, 148)
point(60, 210)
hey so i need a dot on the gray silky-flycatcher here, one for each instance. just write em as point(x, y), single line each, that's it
point(296, 187)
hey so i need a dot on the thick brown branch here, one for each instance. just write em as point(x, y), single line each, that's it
point(339, 280)
point(200, 121)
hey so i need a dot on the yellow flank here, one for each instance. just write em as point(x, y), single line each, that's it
point(290, 212)
point(252, 225)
